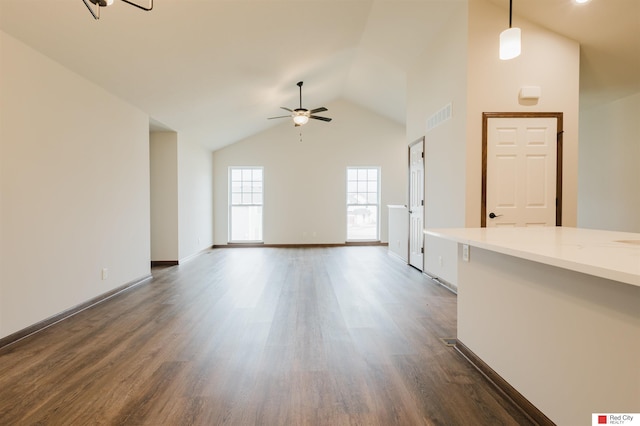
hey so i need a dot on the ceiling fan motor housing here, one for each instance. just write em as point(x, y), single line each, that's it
point(102, 3)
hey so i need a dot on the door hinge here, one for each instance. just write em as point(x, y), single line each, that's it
point(422, 202)
point(422, 154)
point(422, 250)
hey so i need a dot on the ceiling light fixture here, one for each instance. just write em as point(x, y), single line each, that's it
point(582, 1)
point(300, 117)
point(104, 3)
point(510, 39)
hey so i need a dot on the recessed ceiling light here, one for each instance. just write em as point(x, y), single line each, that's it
point(582, 1)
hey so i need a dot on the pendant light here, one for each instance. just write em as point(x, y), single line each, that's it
point(510, 39)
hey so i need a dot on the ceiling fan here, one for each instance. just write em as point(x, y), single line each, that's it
point(302, 115)
point(104, 3)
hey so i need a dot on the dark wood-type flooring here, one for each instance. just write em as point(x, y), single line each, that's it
point(257, 336)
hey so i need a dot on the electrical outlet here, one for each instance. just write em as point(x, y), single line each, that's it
point(105, 273)
point(465, 252)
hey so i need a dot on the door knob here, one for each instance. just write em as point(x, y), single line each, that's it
point(492, 215)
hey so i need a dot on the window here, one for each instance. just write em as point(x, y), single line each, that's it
point(245, 204)
point(363, 203)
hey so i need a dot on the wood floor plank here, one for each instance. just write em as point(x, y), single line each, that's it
point(257, 336)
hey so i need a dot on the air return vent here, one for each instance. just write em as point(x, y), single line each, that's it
point(439, 117)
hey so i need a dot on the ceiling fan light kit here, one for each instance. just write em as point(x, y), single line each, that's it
point(301, 115)
point(104, 3)
point(510, 39)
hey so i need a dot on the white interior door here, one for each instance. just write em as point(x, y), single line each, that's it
point(416, 203)
point(521, 171)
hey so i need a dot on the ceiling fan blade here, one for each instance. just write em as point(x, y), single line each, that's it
point(285, 108)
point(280, 116)
point(140, 7)
point(316, 117)
point(321, 109)
point(96, 14)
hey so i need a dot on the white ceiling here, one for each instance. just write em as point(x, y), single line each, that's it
point(216, 69)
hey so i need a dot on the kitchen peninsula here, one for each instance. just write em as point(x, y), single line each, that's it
point(555, 312)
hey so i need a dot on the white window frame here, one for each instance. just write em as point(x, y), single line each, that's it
point(379, 200)
point(231, 204)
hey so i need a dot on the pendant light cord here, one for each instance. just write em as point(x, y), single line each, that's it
point(510, 9)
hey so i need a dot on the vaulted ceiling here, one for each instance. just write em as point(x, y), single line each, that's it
point(216, 69)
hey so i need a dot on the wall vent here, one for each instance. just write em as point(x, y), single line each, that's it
point(439, 117)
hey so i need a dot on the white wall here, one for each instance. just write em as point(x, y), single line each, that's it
point(305, 180)
point(195, 198)
point(439, 78)
point(74, 179)
point(547, 60)
point(181, 197)
point(609, 166)
point(399, 231)
point(163, 150)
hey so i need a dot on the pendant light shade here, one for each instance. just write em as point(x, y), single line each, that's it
point(510, 43)
point(510, 39)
